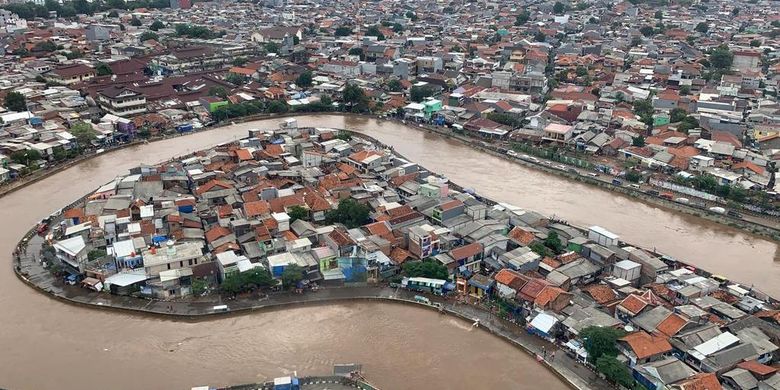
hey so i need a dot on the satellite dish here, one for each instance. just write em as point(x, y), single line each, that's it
point(628, 328)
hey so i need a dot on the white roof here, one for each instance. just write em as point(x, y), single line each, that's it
point(174, 274)
point(227, 258)
point(604, 232)
point(147, 211)
point(281, 259)
point(544, 322)
point(280, 217)
point(72, 246)
point(78, 228)
point(124, 279)
point(415, 106)
point(123, 248)
point(715, 344)
point(627, 264)
point(244, 264)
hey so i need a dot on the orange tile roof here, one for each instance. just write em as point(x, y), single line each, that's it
point(547, 295)
point(633, 304)
point(255, 208)
point(244, 155)
point(466, 251)
point(506, 277)
point(521, 236)
point(672, 324)
point(645, 345)
point(701, 381)
point(216, 233)
point(757, 368)
point(211, 185)
point(601, 293)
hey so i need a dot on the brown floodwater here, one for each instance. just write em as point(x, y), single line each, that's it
point(45, 344)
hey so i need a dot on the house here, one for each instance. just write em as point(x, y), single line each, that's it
point(559, 133)
point(509, 283)
point(72, 253)
point(467, 257)
point(172, 256)
point(121, 101)
point(660, 374)
point(642, 347)
point(480, 286)
point(552, 299)
point(70, 74)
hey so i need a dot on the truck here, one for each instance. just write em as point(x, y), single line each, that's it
point(667, 195)
point(719, 210)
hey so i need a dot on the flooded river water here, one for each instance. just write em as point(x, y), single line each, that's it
point(45, 344)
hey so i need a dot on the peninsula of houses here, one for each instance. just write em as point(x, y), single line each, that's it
point(300, 208)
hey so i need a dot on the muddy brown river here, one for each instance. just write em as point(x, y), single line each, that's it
point(45, 344)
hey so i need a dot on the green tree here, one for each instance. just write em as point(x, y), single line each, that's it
point(553, 242)
point(297, 212)
point(539, 248)
point(559, 8)
point(272, 47)
point(102, 69)
point(647, 31)
point(292, 274)
point(633, 176)
point(505, 119)
point(25, 157)
point(522, 18)
point(394, 85)
point(411, 15)
point(354, 97)
point(235, 79)
point(419, 93)
point(343, 31)
point(277, 107)
point(147, 35)
point(218, 91)
point(735, 11)
point(426, 269)
point(702, 27)
point(615, 371)
point(721, 58)
point(398, 28)
point(15, 101)
point(304, 80)
point(199, 286)
point(638, 141)
point(84, 133)
point(350, 213)
point(156, 25)
point(326, 100)
point(373, 31)
point(659, 14)
point(636, 41)
point(73, 54)
point(685, 90)
point(687, 124)
point(135, 22)
point(539, 36)
point(113, 14)
point(96, 254)
point(677, 115)
point(600, 341)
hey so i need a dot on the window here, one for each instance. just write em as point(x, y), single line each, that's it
point(190, 261)
point(169, 265)
point(181, 264)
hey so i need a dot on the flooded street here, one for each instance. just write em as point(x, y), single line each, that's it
point(47, 344)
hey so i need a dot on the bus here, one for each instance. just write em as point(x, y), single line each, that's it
point(433, 286)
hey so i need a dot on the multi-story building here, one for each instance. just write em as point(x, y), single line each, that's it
point(70, 74)
point(122, 101)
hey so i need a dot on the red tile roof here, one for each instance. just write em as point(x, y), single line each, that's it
point(645, 345)
point(633, 304)
point(701, 381)
point(757, 368)
point(466, 251)
point(671, 324)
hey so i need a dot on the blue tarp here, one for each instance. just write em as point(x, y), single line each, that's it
point(159, 239)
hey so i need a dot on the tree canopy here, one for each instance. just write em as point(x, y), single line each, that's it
point(600, 341)
point(721, 58)
point(147, 35)
point(419, 93)
point(297, 212)
point(292, 274)
point(102, 69)
point(615, 371)
point(84, 133)
point(354, 97)
point(15, 101)
point(426, 269)
point(559, 8)
point(350, 213)
point(238, 282)
point(304, 79)
point(343, 31)
point(522, 18)
point(25, 157)
point(156, 25)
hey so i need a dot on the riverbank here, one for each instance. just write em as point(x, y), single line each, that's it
point(752, 224)
point(572, 373)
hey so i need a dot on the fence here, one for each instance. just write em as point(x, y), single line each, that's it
point(686, 190)
point(550, 154)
